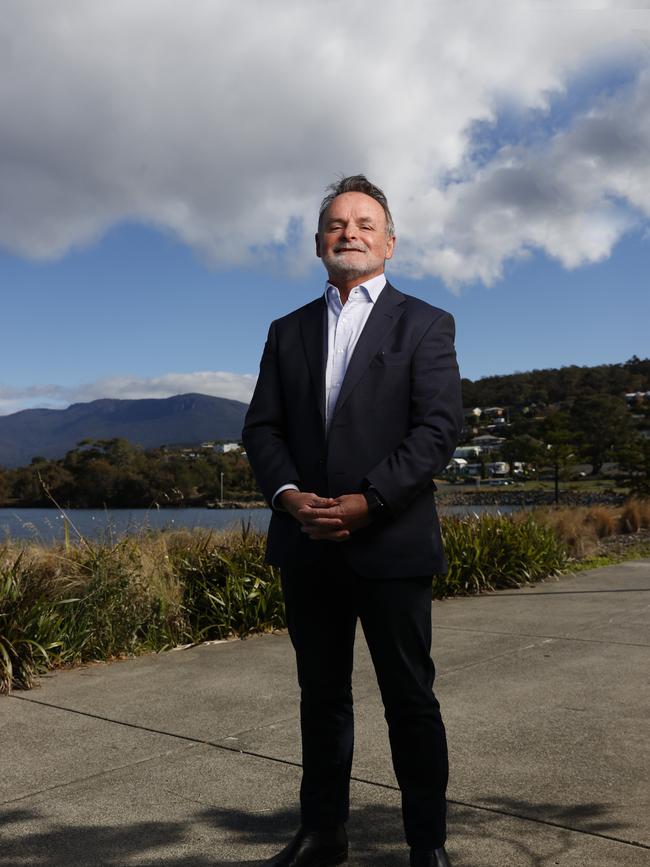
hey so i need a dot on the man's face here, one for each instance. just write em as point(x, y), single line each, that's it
point(352, 240)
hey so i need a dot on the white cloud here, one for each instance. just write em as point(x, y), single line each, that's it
point(218, 383)
point(222, 122)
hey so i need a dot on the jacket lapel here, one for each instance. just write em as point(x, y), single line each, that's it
point(313, 329)
point(385, 314)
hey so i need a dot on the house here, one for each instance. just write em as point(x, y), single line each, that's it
point(467, 452)
point(488, 442)
point(225, 448)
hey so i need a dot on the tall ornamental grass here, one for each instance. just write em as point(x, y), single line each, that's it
point(493, 551)
point(77, 601)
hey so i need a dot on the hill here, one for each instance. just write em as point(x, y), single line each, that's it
point(557, 385)
point(185, 419)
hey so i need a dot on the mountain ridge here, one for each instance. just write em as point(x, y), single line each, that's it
point(183, 419)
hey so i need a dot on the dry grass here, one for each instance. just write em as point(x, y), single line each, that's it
point(572, 527)
point(635, 515)
point(583, 528)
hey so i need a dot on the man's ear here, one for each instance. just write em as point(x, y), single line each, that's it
point(390, 246)
point(317, 239)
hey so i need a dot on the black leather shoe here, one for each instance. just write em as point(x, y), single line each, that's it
point(313, 849)
point(427, 858)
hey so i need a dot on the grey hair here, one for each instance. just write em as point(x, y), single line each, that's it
point(356, 184)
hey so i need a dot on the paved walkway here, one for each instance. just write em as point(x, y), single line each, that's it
point(191, 758)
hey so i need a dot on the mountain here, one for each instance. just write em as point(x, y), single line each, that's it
point(185, 419)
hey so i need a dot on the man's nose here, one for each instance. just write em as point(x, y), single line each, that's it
point(350, 231)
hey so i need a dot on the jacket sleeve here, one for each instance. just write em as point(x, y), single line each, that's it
point(436, 418)
point(264, 432)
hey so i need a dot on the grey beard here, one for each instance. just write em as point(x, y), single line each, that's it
point(338, 268)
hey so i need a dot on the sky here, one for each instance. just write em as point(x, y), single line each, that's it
point(162, 165)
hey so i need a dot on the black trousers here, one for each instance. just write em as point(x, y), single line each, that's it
point(322, 605)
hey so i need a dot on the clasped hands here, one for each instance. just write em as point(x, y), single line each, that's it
point(332, 519)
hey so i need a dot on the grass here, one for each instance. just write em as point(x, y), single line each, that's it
point(582, 529)
point(587, 486)
point(493, 551)
point(77, 601)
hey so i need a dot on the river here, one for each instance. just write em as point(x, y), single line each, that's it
point(47, 525)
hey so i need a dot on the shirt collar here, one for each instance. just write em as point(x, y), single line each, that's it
point(371, 288)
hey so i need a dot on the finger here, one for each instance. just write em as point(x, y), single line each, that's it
point(315, 530)
point(323, 513)
point(311, 530)
point(334, 523)
point(322, 536)
point(321, 502)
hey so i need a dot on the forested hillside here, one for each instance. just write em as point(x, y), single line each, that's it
point(558, 385)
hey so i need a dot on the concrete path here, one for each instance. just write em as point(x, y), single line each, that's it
point(191, 758)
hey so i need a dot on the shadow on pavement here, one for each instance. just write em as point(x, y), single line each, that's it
point(548, 833)
point(376, 837)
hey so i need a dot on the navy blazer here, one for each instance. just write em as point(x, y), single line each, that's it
point(396, 424)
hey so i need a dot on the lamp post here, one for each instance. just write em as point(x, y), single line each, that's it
point(222, 489)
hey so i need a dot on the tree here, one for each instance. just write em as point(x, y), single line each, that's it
point(523, 448)
point(5, 488)
point(634, 461)
point(559, 452)
point(602, 425)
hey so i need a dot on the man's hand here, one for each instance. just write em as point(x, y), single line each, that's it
point(300, 505)
point(338, 520)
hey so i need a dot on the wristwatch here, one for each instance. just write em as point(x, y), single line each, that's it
point(376, 506)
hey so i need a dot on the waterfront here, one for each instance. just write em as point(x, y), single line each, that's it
point(47, 525)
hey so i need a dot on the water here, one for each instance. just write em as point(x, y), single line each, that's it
point(47, 525)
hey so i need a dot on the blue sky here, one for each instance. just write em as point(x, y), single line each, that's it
point(153, 225)
point(139, 303)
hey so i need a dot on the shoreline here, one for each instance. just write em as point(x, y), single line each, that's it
point(463, 497)
point(540, 497)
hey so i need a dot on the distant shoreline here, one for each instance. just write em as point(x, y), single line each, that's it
point(484, 496)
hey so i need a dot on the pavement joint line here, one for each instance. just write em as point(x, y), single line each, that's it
point(501, 593)
point(290, 763)
point(259, 728)
point(635, 843)
point(97, 774)
point(535, 635)
point(509, 652)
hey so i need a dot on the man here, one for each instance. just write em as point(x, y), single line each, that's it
point(357, 406)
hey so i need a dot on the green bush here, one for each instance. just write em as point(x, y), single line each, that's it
point(30, 623)
point(115, 612)
point(228, 588)
point(492, 551)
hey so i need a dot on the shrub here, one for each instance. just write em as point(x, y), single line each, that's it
point(30, 622)
point(496, 551)
point(228, 588)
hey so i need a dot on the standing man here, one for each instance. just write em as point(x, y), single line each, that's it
point(357, 406)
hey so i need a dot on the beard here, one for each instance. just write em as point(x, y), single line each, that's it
point(339, 263)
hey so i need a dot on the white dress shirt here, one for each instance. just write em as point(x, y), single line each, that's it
point(345, 322)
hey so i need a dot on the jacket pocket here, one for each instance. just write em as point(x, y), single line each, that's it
point(390, 359)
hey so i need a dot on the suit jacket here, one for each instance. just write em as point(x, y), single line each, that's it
point(396, 424)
